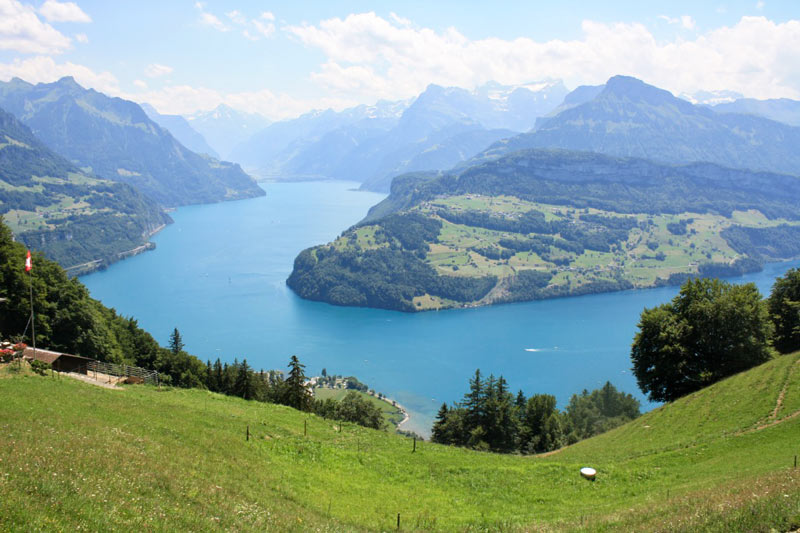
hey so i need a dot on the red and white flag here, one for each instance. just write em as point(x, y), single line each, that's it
point(28, 262)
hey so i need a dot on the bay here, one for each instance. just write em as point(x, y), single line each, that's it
point(218, 275)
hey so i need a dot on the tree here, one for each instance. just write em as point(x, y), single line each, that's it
point(243, 386)
point(296, 394)
point(540, 429)
point(709, 331)
point(784, 310)
point(175, 342)
point(590, 414)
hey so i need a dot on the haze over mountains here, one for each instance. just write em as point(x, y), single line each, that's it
point(180, 128)
point(371, 144)
point(116, 140)
point(224, 127)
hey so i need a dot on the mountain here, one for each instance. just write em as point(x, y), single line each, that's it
point(308, 145)
point(780, 109)
point(580, 95)
point(70, 215)
point(371, 144)
point(629, 118)
point(548, 223)
point(116, 140)
point(225, 127)
point(180, 128)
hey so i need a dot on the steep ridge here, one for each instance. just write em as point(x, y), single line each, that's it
point(115, 139)
point(70, 215)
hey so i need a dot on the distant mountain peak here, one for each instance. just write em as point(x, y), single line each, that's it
point(635, 89)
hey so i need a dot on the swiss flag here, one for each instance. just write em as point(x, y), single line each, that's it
point(28, 262)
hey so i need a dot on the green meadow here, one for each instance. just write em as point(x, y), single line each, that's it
point(75, 456)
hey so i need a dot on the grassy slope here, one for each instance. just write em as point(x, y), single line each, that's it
point(75, 455)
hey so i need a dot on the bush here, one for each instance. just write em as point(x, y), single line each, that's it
point(40, 367)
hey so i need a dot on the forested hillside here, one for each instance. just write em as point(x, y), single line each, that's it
point(69, 215)
point(545, 223)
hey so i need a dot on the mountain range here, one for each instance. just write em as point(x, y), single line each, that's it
point(180, 128)
point(630, 118)
point(371, 144)
point(115, 139)
point(72, 216)
point(224, 127)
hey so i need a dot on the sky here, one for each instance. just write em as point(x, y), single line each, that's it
point(281, 59)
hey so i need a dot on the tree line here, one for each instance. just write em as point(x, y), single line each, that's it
point(491, 418)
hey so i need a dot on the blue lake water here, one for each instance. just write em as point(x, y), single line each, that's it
point(218, 275)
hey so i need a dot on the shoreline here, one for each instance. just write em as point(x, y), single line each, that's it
point(394, 403)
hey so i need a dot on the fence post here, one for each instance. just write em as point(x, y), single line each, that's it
point(415, 445)
point(248, 432)
point(398, 521)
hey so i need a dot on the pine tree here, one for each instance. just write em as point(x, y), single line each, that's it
point(474, 402)
point(243, 387)
point(218, 376)
point(439, 432)
point(296, 394)
point(175, 342)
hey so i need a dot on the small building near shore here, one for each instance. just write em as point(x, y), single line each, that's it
point(62, 362)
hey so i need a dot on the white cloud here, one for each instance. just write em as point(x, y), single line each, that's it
point(253, 29)
point(236, 17)
point(81, 38)
point(686, 21)
point(760, 5)
point(154, 70)
point(42, 69)
point(141, 84)
point(207, 19)
point(186, 100)
point(55, 11)
point(369, 57)
point(264, 28)
point(21, 30)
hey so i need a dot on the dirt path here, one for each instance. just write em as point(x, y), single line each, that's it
point(101, 381)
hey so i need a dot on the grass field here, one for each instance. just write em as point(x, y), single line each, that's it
point(391, 414)
point(74, 456)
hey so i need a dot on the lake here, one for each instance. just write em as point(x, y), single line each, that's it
point(218, 275)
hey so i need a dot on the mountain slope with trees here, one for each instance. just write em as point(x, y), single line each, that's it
point(71, 216)
point(545, 223)
point(116, 140)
